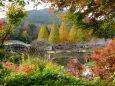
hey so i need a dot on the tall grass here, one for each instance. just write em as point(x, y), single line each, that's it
point(41, 62)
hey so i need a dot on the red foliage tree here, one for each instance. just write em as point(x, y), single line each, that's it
point(1, 24)
point(25, 26)
point(104, 61)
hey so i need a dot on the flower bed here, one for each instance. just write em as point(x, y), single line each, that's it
point(51, 75)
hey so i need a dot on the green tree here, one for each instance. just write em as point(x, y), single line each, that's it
point(73, 34)
point(33, 31)
point(107, 30)
point(84, 35)
point(54, 35)
point(26, 36)
point(64, 33)
point(15, 14)
point(43, 33)
point(77, 34)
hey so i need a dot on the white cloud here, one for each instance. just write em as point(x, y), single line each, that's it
point(31, 6)
point(2, 14)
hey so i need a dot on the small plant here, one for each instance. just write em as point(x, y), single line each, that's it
point(4, 73)
point(40, 62)
point(75, 67)
point(61, 60)
point(25, 69)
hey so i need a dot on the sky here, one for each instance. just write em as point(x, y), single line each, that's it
point(27, 7)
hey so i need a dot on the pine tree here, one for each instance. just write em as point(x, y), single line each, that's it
point(64, 34)
point(54, 35)
point(73, 34)
point(43, 33)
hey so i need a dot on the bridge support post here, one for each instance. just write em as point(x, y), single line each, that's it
point(49, 56)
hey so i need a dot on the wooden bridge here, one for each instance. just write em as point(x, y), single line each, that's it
point(16, 46)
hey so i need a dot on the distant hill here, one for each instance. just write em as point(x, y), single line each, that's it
point(42, 17)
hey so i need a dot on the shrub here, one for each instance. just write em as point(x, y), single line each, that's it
point(61, 60)
point(9, 65)
point(15, 58)
point(38, 48)
point(104, 61)
point(2, 53)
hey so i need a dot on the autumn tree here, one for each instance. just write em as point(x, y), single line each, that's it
point(96, 7)
point(104, 61)
point(19, 2)
point(88, 14)
point(54, 35)
point(1, 23)
point(63, 32)
point(43, 33)
point(73, 34)
point(14, 15)
point(4, 33)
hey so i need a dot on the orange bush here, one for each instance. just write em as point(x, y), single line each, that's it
point(22, 69)
point(9, 65)
point(104, 61)
point(25, 69)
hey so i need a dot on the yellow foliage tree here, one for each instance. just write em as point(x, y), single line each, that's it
point(43, 33)
point(73, 34)
point(64, 33)
point(54, 35)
